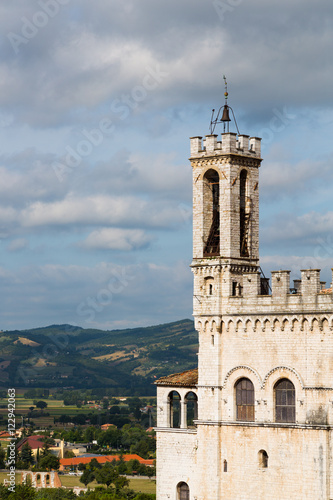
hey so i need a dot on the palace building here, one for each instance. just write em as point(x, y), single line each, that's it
point(255, 420)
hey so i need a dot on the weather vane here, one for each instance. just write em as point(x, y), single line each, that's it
point(225, 113)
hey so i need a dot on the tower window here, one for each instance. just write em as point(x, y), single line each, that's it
point(225, 466)
point(209, 285)
point(244, 215)
point(211, 213)
point(263, 459)
point(245, 400)
point(284, 401)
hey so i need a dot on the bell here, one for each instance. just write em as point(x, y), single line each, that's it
point(225, 114)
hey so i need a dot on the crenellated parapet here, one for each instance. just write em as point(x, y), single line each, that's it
point(218, 290)
point(229, 144)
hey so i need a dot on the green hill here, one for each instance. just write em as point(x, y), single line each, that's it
point(74, 357)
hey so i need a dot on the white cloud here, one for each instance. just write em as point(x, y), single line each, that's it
point(17, 244)
point(308, 228)
point(283, 178)
point(116, 239)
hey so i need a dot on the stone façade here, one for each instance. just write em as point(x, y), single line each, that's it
point(247, 332)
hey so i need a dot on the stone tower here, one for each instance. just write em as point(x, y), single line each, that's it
point(254, 420)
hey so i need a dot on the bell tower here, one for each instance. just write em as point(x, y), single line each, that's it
point(225, 205)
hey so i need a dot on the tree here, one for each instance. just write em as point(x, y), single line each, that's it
point(87, 477)
point(49, 462)
point(2, 459)
point(69, 454)
point(55, 494)
point(45, 450)
point(109, 475)
point(89, 434)
point(26, 455)
point(94, 464)
point(41, 404)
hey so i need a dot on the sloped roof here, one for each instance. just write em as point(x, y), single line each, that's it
point(33, 441)
point(184, 379)
point(326, 291)
point(102, 459)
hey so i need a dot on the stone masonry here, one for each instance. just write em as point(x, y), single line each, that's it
point(273, 439)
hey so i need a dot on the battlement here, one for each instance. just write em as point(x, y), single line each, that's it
point(229, 144)
point(245, 294)
point(309, 290)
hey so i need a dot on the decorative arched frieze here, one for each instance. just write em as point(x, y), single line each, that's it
point(241, 368)
point(239, 325)
point(304, 325)
point(248, 325)
point(285, 324)
point(314, 324)
point(229, 323)
point(257, 325)
point(294, 324)
point(324, 324)
point(276, 324)
point(284, 369)
point(266, 325)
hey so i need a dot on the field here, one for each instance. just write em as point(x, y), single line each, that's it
point(55, 408)
point(140, 484)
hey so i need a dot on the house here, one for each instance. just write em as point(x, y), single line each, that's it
point(35, 442)
point(105, 427)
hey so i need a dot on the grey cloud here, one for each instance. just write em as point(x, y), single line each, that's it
point(91, 63)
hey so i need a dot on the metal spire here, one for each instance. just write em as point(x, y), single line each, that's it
point(225, 114)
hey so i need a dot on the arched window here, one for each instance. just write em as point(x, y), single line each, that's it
point(174, 409)
point(244, 215)
point(183, 491)
point(225, 466)
point(47, 479)
point(209, 285)
point(191, 401)
point(284, 401)
point(263, 459)
point(211, 213)
point(244, 400)
point(38, 480)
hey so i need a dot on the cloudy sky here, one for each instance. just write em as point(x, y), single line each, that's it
point(97, 104)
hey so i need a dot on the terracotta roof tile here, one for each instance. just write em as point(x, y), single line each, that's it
point(101, 459)
point(326, 291)
point(184, 379)
point(33, 441)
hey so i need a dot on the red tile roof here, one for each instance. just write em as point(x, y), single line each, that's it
point(102, 459)
point(33, 441)
point(4, 434)
point(185, 379)
point(326, 291)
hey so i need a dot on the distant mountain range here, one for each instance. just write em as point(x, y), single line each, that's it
point(73, 357)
